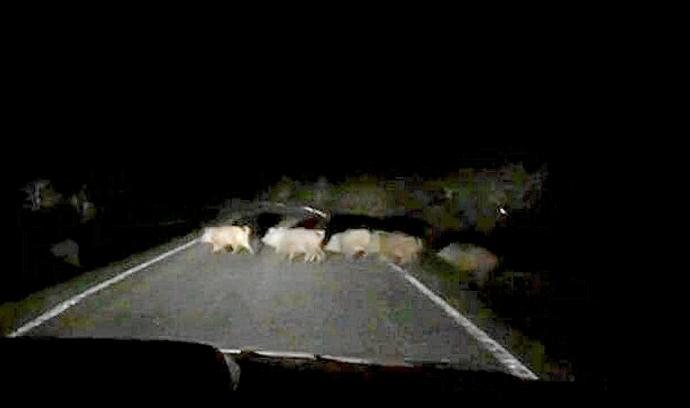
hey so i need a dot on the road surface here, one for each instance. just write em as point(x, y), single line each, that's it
point(357, 308)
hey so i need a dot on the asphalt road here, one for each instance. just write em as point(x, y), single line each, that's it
point(361, 308)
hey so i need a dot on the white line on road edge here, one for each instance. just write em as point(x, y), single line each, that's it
point(514, 366)
point(57, 310)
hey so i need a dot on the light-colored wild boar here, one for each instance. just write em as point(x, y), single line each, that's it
point(351, 242)
point(296, 241)
point(66, 250)
point(228, 236)
point(397, 247)
point(470, 260)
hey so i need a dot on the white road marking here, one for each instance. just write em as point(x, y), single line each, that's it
point(62, 307)
point(513, 365)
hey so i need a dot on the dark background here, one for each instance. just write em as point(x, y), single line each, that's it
point(177, 129)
